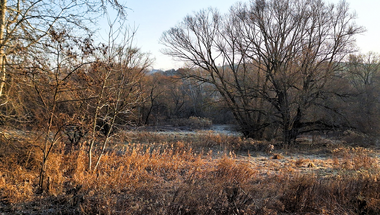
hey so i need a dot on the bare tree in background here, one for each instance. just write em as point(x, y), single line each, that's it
point(270, 60)
point(207, 41)
point(363, 73)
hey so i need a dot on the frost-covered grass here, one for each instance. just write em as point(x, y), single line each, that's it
point(203, 173)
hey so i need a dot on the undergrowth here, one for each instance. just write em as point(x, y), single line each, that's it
point(171, 177)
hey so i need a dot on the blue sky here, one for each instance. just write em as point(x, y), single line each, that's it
point(153, 17)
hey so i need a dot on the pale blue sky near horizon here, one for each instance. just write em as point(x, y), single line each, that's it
point(153, 17)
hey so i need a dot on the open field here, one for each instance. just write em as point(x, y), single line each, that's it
point(192, 173)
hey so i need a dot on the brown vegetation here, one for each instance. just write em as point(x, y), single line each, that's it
point(68, 107)
point(185, 176)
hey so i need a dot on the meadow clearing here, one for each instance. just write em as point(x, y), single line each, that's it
point(202, 172)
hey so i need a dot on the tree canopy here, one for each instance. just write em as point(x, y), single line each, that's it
point(273, 61)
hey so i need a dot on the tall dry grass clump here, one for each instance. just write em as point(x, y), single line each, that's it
point(18, 163)
point(355, 158)
point(349, 195)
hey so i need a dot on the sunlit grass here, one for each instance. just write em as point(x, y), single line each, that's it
point(204, 173)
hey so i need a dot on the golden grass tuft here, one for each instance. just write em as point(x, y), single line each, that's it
point(355, 158)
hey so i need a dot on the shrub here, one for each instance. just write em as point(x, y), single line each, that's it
point(355, 158)
point(193, 122)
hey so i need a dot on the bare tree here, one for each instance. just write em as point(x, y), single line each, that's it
point(276, 59)
point(53, 92)
point(24, 24)
point(207, 41)
point(118, 73)
point(363, 73)
point(154, 89)
point(37, 42)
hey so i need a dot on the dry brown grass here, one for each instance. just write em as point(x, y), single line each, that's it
point(198, 141)
point(175, 177)
point(355, 158)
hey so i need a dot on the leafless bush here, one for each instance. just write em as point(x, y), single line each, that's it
point(192, 122)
